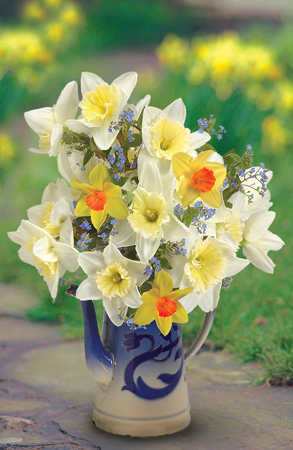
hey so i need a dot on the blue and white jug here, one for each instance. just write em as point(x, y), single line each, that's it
point(141, 381)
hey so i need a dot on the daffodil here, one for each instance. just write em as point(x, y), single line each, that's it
point(101, 104)
point(113, 279)
point(48, 122)
point(56, 212)
point(101, 197)
point(40, 249)
point(161, 304)
point(258, 240)
point(206, 263)
point(164, 135)
point(199, 177)
point(152, 217)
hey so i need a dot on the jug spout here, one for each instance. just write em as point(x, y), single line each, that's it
point(100, 361)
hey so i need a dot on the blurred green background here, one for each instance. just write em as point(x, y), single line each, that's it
point(235, 65)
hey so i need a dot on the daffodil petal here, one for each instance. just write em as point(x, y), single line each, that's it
point(200, 160)
point(150, 296)
point(181, 165)
point(83, 187)
point(180, 316)
point(213, 198)
point(98, 176)
point(176, 295)
point(164, 324)
point(82, 209)
point(145, 314)
point(164, 283)
point(219, 172)
point(99, 217)
point(191, 195)
point(112, 190)
point(117, 208)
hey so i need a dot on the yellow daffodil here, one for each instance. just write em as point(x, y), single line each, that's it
point(199, 178)
point(162, 305)
point(101, 197)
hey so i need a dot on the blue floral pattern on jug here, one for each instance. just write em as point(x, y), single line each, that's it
point(169, 344)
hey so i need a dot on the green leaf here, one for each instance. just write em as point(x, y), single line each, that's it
point(165, 264)
point(92, 145)
point(121, 182)
point(139, 121)
point(206, 147)
point(235, 157)
point(129, 196)
point(87, 157)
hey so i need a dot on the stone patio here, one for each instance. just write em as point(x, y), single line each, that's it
point(46, 393)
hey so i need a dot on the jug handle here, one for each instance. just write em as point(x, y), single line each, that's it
point(201, 336)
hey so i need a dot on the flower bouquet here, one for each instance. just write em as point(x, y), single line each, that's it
point(155, 217)
point(144, 205)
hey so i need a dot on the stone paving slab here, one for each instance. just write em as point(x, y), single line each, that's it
point(46, 393)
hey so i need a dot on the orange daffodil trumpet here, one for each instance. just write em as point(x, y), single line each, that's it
point(101, 197)
point(199, 177)
point(162, 304)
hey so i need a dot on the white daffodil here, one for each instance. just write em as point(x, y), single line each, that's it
point(229, 223)
point(164, 134)
point(258, 240)
point(48, 122)
point(204, 266)
point(40, 249)
point(56, 212)
point(112, 278)
point(101, 104)
point(152, 217)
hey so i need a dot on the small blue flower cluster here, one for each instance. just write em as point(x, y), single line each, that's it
point(124, 119)
point(260, 175)
point(220, 135)
point(203, 124)
point(174, 248)
point(130, 138)
point(84, 241)
point(226, 183)
point(131, 324)
point(117, 161)
point(226, 283)
point(85, 225)
point(180, 210)
point(202, 213)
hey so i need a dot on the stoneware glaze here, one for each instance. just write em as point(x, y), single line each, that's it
point(141, 381)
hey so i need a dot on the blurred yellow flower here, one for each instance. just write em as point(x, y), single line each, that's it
point(7, 149)
point(275, 136)
point(56, 32)
point(71, 16)
point(173, 51)
point(54, 2)
point(33, 11)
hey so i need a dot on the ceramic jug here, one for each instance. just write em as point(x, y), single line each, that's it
point(141, 382)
